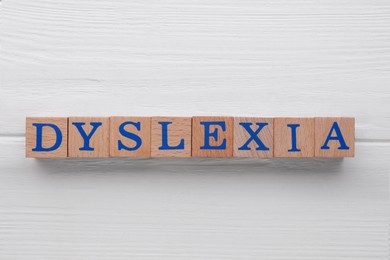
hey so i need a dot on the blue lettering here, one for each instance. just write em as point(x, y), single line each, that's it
point(87, 138)
point(38, 143)
point(214, 135)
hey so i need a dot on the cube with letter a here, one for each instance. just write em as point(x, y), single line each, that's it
point(334, 137)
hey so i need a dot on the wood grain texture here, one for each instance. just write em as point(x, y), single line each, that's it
point(98, 144)
point(241, 136)
point(323, 127)
point(219, 136)
point(49, 137)
point(141, 129)
point(201, 58)
point(178, 132)
point(283, 137)
point(194, 208)
point(184, 58)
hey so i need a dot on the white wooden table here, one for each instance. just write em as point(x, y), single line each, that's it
point(256, 58)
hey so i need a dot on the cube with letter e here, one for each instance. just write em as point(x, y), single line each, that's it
point(212, 136)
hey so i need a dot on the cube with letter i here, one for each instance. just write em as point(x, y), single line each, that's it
point(294, 137)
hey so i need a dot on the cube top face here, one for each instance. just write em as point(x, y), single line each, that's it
point(171, 136)
point(293, 137)
point(212, 136)
point(89, 137)
point(253, 137)
point(129, 136)
point(46, 137)
point(334, 137)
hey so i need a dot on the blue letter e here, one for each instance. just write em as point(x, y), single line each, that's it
point(87, 138)
point(214, 135)
point(38, 143)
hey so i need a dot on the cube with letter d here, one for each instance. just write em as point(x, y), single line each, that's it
point(46, 137)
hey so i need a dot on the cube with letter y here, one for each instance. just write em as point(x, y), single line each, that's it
point(88, 137)
point(212, 136)
point(46, 137)
point(335, 137)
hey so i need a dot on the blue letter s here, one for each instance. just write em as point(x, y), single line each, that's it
point(130, 135)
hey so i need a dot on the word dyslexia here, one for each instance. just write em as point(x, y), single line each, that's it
point(199, 136)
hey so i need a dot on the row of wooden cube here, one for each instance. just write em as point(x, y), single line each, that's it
point(226, 137)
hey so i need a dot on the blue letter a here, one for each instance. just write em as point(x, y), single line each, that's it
point(339, 137)
point(87, 138)
point(38, 143)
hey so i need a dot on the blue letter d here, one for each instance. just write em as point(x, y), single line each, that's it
point(38, 142)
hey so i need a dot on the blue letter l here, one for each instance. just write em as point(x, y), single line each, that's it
point(164, 141)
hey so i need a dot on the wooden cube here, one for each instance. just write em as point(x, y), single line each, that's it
point(212, 136)
point(253, 137)
point(334, 137)
point(46, 137)
point(171, 137)
point(293, 137)
point(129, 136)
point(89, 137)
